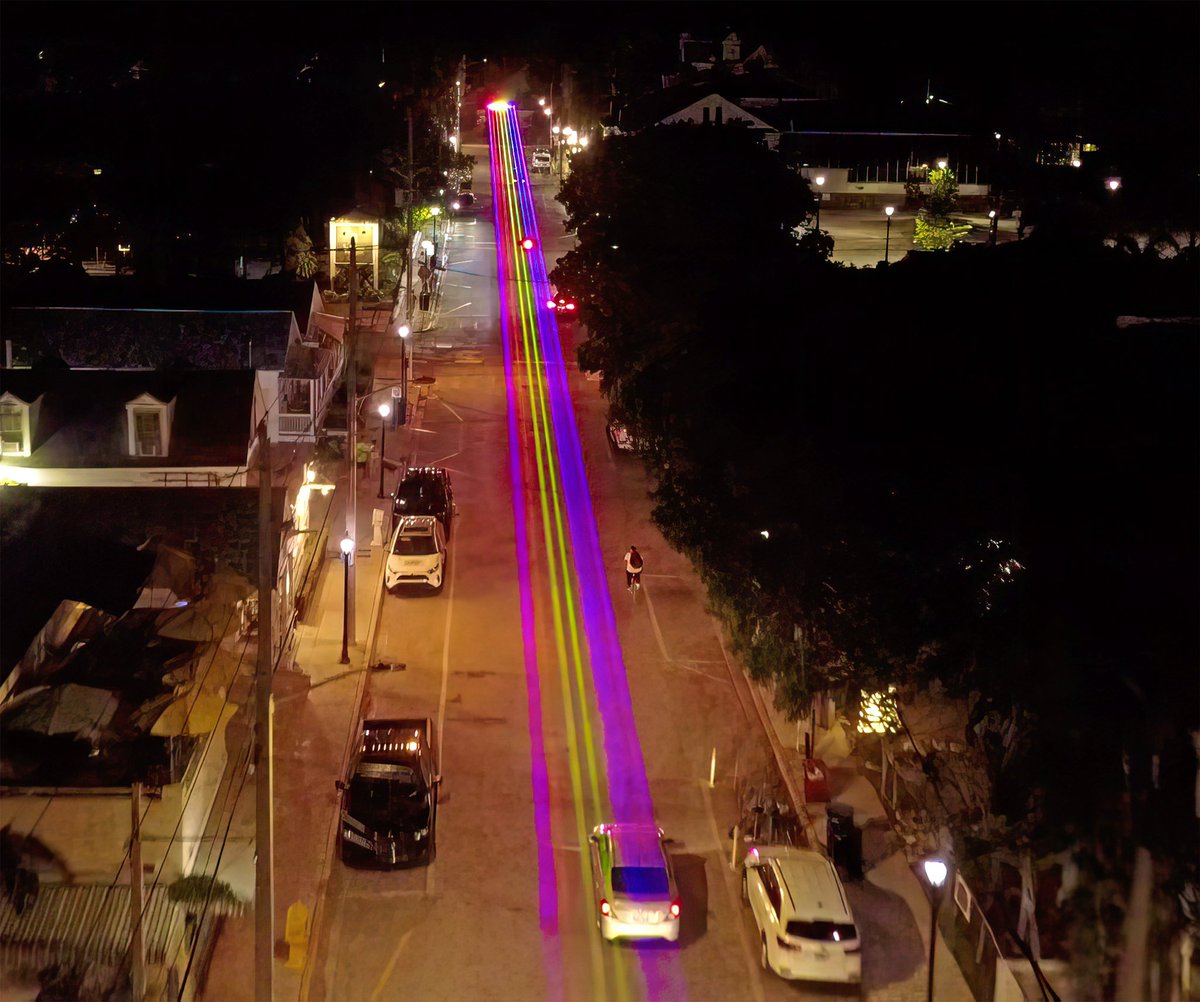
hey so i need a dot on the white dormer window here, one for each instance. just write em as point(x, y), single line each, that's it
point(14, 426)
point(149, 426)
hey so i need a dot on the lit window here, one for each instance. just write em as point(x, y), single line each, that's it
point(13, 422)
point(148, 432)
point(149, 424)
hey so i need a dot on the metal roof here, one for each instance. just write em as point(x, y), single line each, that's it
point(78, 924)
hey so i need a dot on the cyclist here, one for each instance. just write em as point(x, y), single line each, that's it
point(633, 568)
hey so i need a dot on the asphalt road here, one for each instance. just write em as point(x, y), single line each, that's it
point(506, 909)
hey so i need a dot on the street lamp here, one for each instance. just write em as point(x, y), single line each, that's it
point(887, 237)
point(820, 180)
point(435, 211)
point(384, 411)
point(995, 223)
point(941, 164)
point(1112, 184)
point(403, 331)
point(569, 137)
point(935, 875)
point(542, 101)
point(347, 549)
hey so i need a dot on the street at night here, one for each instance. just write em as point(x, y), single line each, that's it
point(646, 506)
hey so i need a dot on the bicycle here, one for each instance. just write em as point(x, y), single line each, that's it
point(635, 585)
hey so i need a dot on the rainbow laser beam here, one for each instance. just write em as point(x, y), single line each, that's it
point(579, 593)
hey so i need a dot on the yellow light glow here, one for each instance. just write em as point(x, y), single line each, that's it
point(877, 713)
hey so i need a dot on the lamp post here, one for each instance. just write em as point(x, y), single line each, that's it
point(887, 237)
point(820, 180)
point(568, 134)
point(554, 142)
point(935, 875)
point(435, 211)
point(995, 224)
point(384, 411)
point(404, 331)
point(347, 548)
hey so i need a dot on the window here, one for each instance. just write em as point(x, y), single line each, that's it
point(148, 432)
point(14, 419)
point(771, 886)
point(149, 424)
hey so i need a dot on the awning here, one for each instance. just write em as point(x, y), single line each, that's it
point(61, 709)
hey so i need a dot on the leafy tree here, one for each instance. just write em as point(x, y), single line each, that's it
point(298, 255)
point(935, 230)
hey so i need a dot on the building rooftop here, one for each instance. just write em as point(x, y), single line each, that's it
point(80, 418)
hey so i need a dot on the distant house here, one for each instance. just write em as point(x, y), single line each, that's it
point(277, 329)
point(106, 428)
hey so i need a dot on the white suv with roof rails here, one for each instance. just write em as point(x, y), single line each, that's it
point(418, 553)
point(806, 929)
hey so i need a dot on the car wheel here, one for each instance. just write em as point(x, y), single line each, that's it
point(763, 959)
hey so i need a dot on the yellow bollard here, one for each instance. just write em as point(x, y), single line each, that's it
point(296, 936)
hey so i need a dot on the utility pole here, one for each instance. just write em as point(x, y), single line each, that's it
point(137, 895)
point(264, 837)
point(351, 437)
point(408, 307)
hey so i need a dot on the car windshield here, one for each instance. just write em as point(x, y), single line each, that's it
point(374, 799)
point(415, 546)
point(825, 932)
point(645, 880)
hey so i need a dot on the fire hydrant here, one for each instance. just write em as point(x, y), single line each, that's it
point(296, 935)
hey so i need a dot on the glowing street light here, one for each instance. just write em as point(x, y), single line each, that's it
point(527, 244)
point(941, 164)
point(819, 180)
point(385, 410)
point(347, 548)
point(887, 237)
point(1113, 184)
point(435, 211)
point(542, 101)
point(403, 332)
point(935, 874)
point(547, 112)
point(994, 226)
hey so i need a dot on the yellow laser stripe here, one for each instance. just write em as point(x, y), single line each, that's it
point(598, 973)
point(542, 430)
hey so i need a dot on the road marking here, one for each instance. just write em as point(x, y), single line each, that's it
point(654, 624)
point(441, 727)
point(439, 461)
point(391, 966)
point(451, 410)
point(734, 895)
point(457, 308)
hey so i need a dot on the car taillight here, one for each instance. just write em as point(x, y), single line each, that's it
point(570, 306)
point(675, 909)
point(605, 907)
point(550, 304)
point(527, 243)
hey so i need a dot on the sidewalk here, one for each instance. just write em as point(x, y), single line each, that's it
point(887, 869)
point(316, 716)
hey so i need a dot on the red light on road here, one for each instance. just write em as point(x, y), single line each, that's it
point(527, 243)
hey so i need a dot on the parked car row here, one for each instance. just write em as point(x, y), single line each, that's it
point(422, 515)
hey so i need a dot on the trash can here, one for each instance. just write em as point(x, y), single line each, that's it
point(816, 782)
point(844, 840)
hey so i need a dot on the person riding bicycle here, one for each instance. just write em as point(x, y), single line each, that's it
point(633, 568)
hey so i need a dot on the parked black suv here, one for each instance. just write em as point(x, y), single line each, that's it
point(425, 490)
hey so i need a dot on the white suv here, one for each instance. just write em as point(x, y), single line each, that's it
point(418, 553)
point(805, 925)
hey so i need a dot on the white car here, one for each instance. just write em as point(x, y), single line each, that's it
point(636, 897)
point(418, 553)
point(806, 929)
